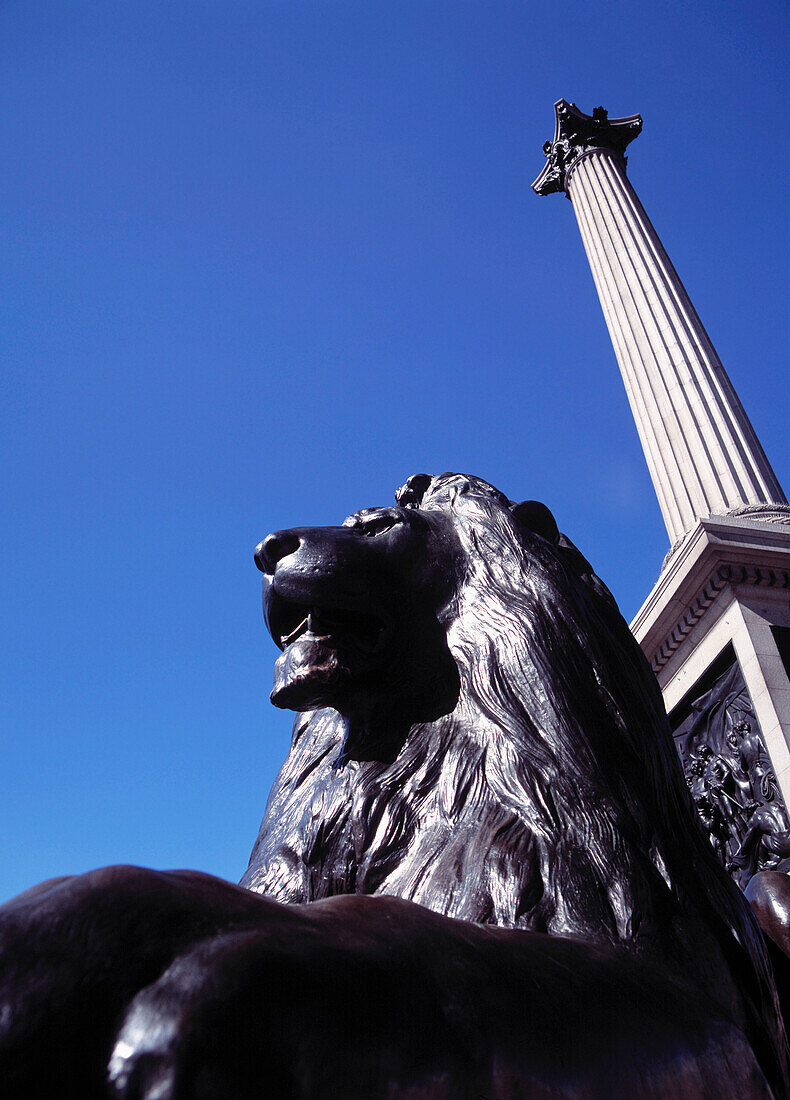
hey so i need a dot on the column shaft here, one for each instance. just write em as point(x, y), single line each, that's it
point(701, 449)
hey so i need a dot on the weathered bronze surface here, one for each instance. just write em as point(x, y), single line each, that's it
point(495, 878)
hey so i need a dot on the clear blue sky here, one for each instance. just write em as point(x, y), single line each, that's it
point(263, 260)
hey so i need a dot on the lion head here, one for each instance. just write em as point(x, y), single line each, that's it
point(480, 733)
point(361, 613)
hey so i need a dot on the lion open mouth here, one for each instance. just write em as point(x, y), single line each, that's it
point(324, 649)
point(335, 627)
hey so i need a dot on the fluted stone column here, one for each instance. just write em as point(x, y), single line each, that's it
point(721, 599)
point(702, 452)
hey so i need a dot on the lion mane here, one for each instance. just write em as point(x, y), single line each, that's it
point(549, 797)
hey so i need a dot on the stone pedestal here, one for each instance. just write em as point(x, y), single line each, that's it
point(727, 585)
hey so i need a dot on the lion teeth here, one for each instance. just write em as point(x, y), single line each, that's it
point(361, 629)
point(286, 639)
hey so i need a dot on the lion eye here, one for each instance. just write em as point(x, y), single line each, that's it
point(378, 525)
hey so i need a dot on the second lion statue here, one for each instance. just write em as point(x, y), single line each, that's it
point(495, 883)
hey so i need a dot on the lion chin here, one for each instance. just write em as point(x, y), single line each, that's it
point(309, 674)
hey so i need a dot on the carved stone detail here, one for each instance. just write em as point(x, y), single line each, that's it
point(730, 777)
point(575, 135)
point(765, 513)
point(725, 574)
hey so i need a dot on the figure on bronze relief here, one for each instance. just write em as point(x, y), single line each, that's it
point(709, 813)
point(730, 778)
point(766, 845)
point(722, 789)
point(753, 760)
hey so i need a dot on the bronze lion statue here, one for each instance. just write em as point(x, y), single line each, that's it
point(479, 872)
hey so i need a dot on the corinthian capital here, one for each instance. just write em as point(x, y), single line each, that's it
point(575, 135)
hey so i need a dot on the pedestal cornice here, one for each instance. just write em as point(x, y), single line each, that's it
point(576, 135)
point(718, 552)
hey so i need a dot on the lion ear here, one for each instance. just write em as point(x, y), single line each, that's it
point(536, 517)
point(411, 494)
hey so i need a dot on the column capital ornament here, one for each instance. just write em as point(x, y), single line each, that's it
point(575, 135)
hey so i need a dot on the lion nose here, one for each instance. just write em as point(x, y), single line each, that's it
point(274, 547)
